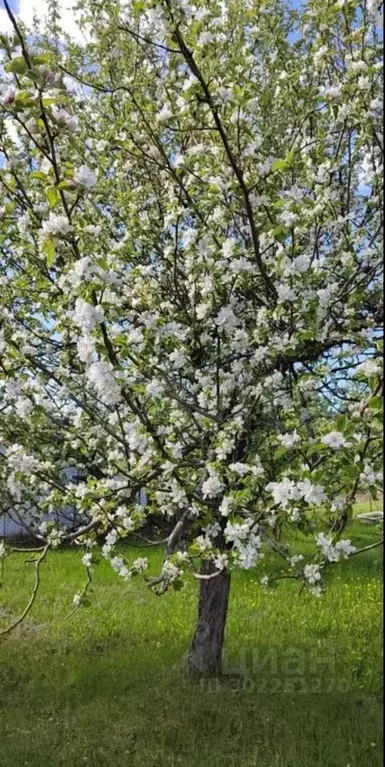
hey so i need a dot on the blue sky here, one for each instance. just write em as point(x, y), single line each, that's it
point(14, 4)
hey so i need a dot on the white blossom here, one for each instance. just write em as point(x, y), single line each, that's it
point(165, 113)
point(312, 574)
point(370, 477)
point(170, 571)
point(100, 375)
point(77, 600)
point(289, 440)
point(226, 447)
point(8, 97)
point(334, 552)
point(64, 119)
point(313, 494)
point(54, 537)
point(240, 468)
point(56, 225)
point(86, 316)
point(205, 38)
point(295, 559)
point(212, 486)
point(283, 492)
point(226, 319)
point(334, 439)
point(250, 554)
point(86, 349)
point(345, 548)
point(85, 177)
point(23, 407)
point(285, 293)
point(369, 368)
point(221, 561)
point(204, 544)
point(117, 563)
point(225, 507)
point(2, 341)
point(299, 265)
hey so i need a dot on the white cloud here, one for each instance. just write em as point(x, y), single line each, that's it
point(30, 8)
point(5, 24)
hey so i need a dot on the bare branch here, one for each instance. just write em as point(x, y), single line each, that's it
point(33, 595)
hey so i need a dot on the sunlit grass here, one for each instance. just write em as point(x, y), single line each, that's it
point(105, 687)
point(366, 506)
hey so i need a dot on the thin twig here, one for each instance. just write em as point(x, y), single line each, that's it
point(367, 548)
point(33, 595)
point(82, 595)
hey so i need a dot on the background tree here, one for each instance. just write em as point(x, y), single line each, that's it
point(190, 270)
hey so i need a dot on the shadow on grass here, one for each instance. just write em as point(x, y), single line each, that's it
point(110, 713)
point(122, 700)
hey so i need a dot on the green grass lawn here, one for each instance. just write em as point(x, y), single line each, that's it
point(372, 505)
point(105, 687)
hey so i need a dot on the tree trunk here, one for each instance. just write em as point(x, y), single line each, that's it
point(205, 655)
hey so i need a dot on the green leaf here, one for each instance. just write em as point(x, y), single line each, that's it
point(283, 163)
point(375, 403)
point(24, 99)
point(306, 335)
point(32, 74)
point(17, 65)
point(49, 250)
point(279, 164)
point(52, 196)
point(373, 381)
point(341, 422)
point(316, 448)
point(42, 58)
point(102, 262)
point(39, 175)
point(279, 203)
point(352, 471)
point(279, 233)
point(66, 184)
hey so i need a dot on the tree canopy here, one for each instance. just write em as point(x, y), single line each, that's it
point(190, 266)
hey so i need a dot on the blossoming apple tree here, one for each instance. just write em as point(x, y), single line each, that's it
point(190, 266)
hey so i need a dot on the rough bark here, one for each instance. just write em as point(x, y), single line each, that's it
point(205, 655)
